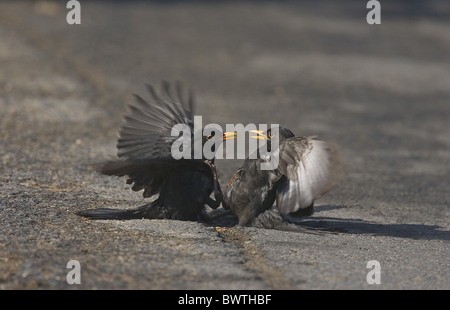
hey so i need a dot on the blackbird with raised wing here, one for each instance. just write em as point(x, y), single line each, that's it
point(308, 167)
point(144, 155)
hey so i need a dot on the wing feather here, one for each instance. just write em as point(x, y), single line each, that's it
point(146, 130)
point(312, 167)
point(144, 142)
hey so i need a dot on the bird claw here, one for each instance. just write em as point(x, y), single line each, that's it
point(218, 195)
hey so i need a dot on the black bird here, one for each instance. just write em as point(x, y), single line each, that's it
point(308, 167)
point(144, 155)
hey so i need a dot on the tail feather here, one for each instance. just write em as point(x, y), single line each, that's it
point(111, 214)
point(149, 211)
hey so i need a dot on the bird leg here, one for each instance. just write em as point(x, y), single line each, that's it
point(217, 190)
point(213, 204)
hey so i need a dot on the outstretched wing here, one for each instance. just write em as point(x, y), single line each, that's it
point(149, 175)
point(144, 143)
point(146, 131)
point(311, 167)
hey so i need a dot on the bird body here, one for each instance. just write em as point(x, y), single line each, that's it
point(246, 195)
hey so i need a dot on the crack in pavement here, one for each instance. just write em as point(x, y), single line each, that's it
point(255, 259)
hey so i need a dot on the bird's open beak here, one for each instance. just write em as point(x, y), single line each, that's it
point(229, 135)
point(259, 135)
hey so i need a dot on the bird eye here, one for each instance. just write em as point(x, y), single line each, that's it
point(209, 137)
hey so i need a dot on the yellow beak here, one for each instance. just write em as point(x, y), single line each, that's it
point(259, 135)
point(229, 135)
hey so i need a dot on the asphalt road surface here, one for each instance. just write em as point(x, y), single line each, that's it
point(381, 92)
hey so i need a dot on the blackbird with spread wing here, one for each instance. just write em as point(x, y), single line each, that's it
point(144, 155)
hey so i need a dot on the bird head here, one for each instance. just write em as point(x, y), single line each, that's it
point(206, 138)
point(284, 133)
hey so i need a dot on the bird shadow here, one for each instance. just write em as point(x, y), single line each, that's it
point(359, 226)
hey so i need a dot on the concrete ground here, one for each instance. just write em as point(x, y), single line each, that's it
point(382, 92)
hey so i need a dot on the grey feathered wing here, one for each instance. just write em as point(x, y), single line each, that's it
point(311, 167)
